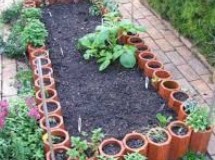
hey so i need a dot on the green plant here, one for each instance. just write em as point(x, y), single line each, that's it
point(135, 156)
point(31, 13)
point(95, 9)
point(111, 5)
point(105, 158)
point(2, 44)
point(126, 26)
point(35, 33)
point(163, 119)
point(157, 135)
point(193, 156)
point(199, 119)
point(11, 14)
point(190, 106)
point(81, 147)
point(20, 137)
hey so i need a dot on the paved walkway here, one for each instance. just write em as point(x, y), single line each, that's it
point(174, 51)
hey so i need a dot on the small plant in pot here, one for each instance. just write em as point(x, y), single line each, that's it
point(176, 99)
point(201, 125)
point(180, 133)
point(34, 34)
point(135, 156)
point(112, 148)
point(186, 108)
point(135, 142)
point(159, 143)
point(60, 153)
point(82, 149)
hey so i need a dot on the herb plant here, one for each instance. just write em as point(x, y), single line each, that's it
point(31, 13)
point(199, 119)
point(157, 135)
point(163, 119)
point(135, 156)
point(35, 33)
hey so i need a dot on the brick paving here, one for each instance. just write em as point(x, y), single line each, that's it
point(174, 51)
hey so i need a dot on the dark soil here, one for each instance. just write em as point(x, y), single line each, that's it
point(51, 106)
point(154, 66)
point(61, 155)
point(179, 130)
point(181, 96)
point(148, 57)
point(136, 40)
point(53, 122)
point(135, 143)
point(111, 149)
point(57, 139)
point(115, 99)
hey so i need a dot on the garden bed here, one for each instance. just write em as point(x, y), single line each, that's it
point(115, 100)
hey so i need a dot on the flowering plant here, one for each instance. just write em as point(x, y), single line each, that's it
point(3, 112)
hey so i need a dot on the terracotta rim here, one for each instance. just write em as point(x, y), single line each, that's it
point(44, 75)
point(135, 135)
point(51, 85)
point(48, 154)
point(174, 85)
point(146, 48)
point(169, 138)
point(56, 111)
point(39, 53)
point(113, 141)
point(142, 56)
point(48, 64)
point(176, 123)
point(156, 62)
point(53, 92)
point(173, 97)
point(57, 117)
point(134, 40)
point(162, 74)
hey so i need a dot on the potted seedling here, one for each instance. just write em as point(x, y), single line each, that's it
point(53, 107)
point(60, 153)
point(82, 149)
point(135, 142)
point(135, 156)
point(34, 34)
point(166, 87)
point(201, 126)
point(186, 108)
point(180, 133)
point(176, 99)
point(159, 143)
point(151, 66)
point(112, 148)
point(59, 138)
point(159, 76)
point(55, 121)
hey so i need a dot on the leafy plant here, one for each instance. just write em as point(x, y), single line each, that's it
point(126, 26)
point(163, 119)
point(190, 106)
point(157, 135)
point(11, 14)
point(199, 119)
point(100, 157)
point(135, 156)
point(193, 156)
point(35, 33)
point(31, 13)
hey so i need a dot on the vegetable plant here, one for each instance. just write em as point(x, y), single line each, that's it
point(135, 156)
point(163, 119)
point(199, 119)
point(35, 33)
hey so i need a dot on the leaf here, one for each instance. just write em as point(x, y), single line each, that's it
point(104, 65)
point(127, 60)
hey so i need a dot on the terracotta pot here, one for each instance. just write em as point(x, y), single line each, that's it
point(159, 151)
point(61, 133)
point(56, 108)
point(104, 11)
point(199, 141)
point(123, 39)
point(136, 136)
point(38, 3)
point(134, 41)
point(110, 141)
point(52, 93)
point(38, 53)
point(47, 72)
point(46, 62)
point(144, 57)
point(175, 103)
point(167, 87)
point(142, 48)
point(29, 4)
point(159, 76)
point(57, 149)
point(151, 66)
point(31, 48)
point(48, 83)
point(179, 143)
point(182, 115)
point(59, 119)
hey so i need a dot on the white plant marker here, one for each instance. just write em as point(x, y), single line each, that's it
point(42, 88)
point(79, 124)
point(146, 82)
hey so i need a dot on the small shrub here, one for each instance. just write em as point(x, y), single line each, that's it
point(193, 156)
point(31, 13)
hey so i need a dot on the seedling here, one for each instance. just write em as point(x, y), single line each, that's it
point(163, 119)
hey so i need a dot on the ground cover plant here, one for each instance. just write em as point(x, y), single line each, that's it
point(193, 18)
point(112, 99)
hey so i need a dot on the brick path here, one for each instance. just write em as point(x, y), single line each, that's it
point(176, 55)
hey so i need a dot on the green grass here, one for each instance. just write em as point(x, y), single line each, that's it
point(195, 19)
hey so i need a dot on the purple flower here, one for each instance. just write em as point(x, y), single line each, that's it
point(3, 109)
point(30, 102)
point(33, 113)
point(4, 104)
